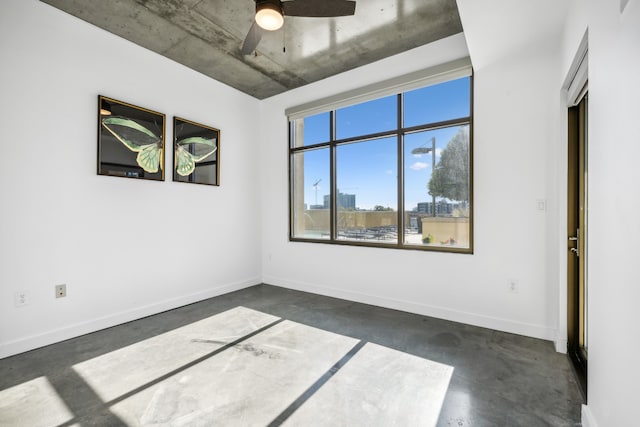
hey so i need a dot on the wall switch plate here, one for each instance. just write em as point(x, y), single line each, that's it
point(541, 205)
point(61, 291)
point(20, 299)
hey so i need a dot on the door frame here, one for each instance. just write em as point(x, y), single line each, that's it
point(577, 232)
point(574, 88)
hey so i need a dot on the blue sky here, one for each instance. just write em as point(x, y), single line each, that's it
point(369, 169)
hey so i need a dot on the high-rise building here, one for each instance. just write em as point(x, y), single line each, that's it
point(345, 201)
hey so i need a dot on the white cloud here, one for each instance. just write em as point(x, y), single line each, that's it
point(417, 166)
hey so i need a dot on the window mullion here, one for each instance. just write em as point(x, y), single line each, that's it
point(333, 198)
point(400, 168)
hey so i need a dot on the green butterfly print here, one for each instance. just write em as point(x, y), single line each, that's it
point(139, 139)
point(185, 160)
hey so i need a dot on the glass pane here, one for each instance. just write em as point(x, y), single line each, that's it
point(310, 185)
point(437, 103)
point(369, 117)
point(368, 191)
point(437, 203)
point(311, 130)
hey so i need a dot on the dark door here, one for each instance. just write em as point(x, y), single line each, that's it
point(577, 242)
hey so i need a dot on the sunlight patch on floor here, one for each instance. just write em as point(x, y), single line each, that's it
point(118, 372)
point(24, 404)
point(379, 387)
point(249, 384)
point(245, 367)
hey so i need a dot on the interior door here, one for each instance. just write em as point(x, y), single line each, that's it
point(577, 227)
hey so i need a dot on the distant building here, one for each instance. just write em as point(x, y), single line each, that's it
point(345, 201)
point(424, 207)
point(442, 208)
point(316, 207)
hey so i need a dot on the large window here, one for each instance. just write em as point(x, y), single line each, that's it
point(395, 171)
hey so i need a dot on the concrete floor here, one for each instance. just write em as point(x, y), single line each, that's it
point(272, 356)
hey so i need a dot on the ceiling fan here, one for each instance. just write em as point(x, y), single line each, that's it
point(270, 15)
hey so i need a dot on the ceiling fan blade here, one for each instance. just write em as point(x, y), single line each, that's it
point(253, 38)
point(319, 8)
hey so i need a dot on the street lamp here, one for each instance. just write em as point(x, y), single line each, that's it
point(426, 150)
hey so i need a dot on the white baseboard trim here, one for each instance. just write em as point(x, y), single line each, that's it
point(504, 325)
point(40, 340)
point(587, 417)
point(561, 344)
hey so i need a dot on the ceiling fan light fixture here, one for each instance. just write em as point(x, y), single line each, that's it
point(269, 15)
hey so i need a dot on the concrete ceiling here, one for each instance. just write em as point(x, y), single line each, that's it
point(206, 35)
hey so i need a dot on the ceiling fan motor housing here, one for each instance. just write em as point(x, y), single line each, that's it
point(270, 16)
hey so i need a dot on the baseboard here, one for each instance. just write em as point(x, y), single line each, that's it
point(587, 417)
point(36, 341)
point(561, 344)
point(504, 325)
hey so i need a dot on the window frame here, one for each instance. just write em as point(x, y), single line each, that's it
point(399, 133)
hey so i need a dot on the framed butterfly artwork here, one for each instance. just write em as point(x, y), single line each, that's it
point(196, 151)
point(130, 140)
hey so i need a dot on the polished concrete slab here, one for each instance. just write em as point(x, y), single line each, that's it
point(167, 354)
point(250, 384)
point(272, 356)
point(25, 405)
point(378, 387)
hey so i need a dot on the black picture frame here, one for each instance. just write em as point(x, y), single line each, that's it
point(131, 140)
point(196, 149)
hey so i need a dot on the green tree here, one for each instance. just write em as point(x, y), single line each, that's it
point(450, 178)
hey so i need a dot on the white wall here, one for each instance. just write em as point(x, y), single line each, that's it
point(518, 48)
point(511, 142)
point(125, 248)
point(614, 203)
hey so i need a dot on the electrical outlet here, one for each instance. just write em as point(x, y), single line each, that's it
point(20, 299)
point(513, 286)
point(61, 291)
